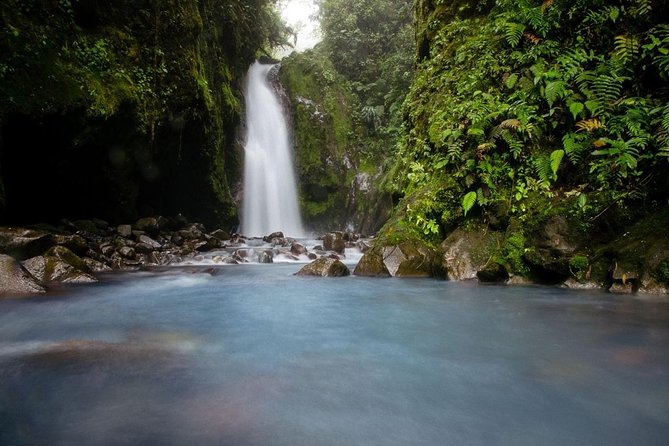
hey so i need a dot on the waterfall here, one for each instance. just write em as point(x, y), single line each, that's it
point(270, 191)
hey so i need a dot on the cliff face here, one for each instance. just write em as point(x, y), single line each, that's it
point(337, 171)
point(123, 108)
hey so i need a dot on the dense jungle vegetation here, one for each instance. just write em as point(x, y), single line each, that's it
point(522, 108)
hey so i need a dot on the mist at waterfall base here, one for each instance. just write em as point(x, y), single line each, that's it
point(255, 356)
point(270, 192)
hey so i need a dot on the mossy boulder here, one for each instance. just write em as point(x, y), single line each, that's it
point(59, 264)
point(371, 265)
point(467, 251)
point(410, 258)
point(636, 260)
point(325, 267)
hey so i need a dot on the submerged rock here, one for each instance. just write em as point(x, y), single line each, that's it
point(325, 267)
point(15, 280)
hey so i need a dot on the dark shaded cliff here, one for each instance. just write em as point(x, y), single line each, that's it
point(119, 109)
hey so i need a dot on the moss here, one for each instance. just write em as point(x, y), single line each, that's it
point(663, 271)
point(513, 251)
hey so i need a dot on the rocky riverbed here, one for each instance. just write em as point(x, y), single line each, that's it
point(34, 258)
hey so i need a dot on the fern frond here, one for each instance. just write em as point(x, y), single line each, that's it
point(513, 32)
point(642, 8)
point(607, 88)
point(575, 146)
point(627, 47)
point(543, 169)
point(554, 90)
point(515, 144)
point(513, 124)
point(589, 125)
point(454, 149)
point(535, 17)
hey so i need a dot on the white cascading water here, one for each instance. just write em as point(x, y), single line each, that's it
point(270, 191)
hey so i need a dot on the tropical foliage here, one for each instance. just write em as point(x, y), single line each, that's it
point(523, 102)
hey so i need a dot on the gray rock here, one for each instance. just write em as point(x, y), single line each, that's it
point(298, 249)
point(59, 264)
point(148, 225)
point(15, 280)
point(124, 230)
point(465, 252)
point(127, 252)
point(334, 241)
point(149, 242)
point(266, 256)
point(325, 267)
point(220, 235)
point(22, 243)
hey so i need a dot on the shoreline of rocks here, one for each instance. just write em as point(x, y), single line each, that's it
point(33, 258)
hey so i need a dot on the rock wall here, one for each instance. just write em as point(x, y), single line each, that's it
point(123, 108)
point(337, 175)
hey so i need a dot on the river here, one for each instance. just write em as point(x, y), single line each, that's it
point(252, 355)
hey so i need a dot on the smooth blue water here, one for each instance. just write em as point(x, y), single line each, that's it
point(255, 356)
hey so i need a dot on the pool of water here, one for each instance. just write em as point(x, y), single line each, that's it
point(252, 355)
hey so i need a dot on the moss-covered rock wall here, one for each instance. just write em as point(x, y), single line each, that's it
point(123, 108)
point(336, 167)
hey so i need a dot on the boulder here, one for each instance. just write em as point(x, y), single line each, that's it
point(325, 267)
point(22, 243)
point(265, 256)
point(410, 258)
point(465, 252)
point(297, 249)
point(59, 264)
point(145, 239)
point(371, 265)
point(493, 272)
point(220, 235)
point(124, 230)
point(127, 252)
point(334, 241)
point(148, 225)
point(272, 236)
point(15, 280)
point(74, 242)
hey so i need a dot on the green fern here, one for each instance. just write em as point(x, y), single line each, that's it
point(576, 145)
point(556, 159)
point(513, 33)
point(543, 169)
point(627, 48)
point(554, 90)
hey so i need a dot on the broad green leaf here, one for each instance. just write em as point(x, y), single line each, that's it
point(575, 108)
point(468, 201)
point(582, 201)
